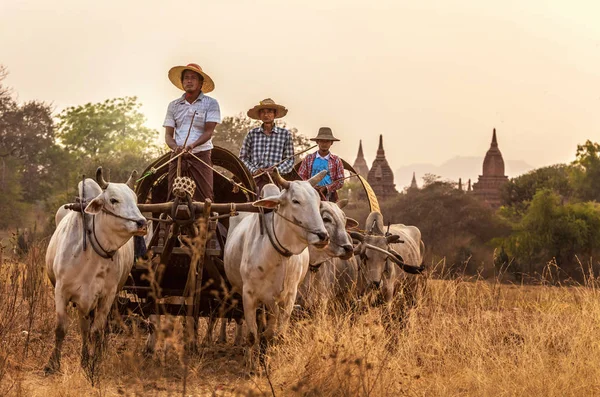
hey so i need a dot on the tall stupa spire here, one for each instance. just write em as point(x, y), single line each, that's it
point(381, 177)
point(360, 164)
point(380, 151)
point(490, 182)
point(494, 140)
point(413, 183)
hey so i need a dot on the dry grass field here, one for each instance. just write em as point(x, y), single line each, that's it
point(466, 338)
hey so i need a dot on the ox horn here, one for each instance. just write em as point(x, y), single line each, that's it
point(397, 259)
point(131, 181)
point(357, 236)
point(314, 181)
point(342, 203)
point(279, 180)
point(374, 248)
point(100, 179)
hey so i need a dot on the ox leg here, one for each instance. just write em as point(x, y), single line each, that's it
point(60, 331)
point(97, 335)
point(223, 331)
point(191, 327)
point(84, 325)
point(150, 347)
point(239, 332)
point(250, 306)
point(272, 314)
point(286, 312)
point(210, 327)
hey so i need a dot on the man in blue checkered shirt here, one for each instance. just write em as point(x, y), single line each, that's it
point(266, 146)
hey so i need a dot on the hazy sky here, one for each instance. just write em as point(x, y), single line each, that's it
point(433, 76)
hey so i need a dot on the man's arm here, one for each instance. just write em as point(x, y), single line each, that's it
point(211, 119)
point(245, 152)
point(337, 176)
point(170, 138)
point(209, 129)
point(288, 151)
point(303, 170)
point(169, 125)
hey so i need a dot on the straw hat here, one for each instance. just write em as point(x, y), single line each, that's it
point(325, 134)
point(268, 103)
point(175, 77)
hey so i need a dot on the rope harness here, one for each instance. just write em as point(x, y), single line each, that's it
point(277, 245)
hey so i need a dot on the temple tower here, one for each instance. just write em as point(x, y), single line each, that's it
point(489, 185)
point(360, 164)
point(381, 177)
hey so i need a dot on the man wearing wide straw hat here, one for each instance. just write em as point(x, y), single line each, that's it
point(321, 160)
point(189, 124)
point(265, 147)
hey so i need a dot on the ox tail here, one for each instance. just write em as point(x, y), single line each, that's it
point(422, 252)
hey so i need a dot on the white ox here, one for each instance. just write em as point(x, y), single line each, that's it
point(333, 270)
point(382, 256)
point(267, 266)
point(91, 278)
point(315, 288)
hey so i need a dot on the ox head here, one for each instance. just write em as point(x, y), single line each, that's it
point(118, 203)
point(375, 257)
point(299, 203)
point(336, 223)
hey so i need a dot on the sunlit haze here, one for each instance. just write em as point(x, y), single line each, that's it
point(434, 77)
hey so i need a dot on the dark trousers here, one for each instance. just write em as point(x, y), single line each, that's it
point(199, 172)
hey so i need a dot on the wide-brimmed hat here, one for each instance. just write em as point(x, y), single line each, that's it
point(175, 76)
point(325, 134)
point(268, 103)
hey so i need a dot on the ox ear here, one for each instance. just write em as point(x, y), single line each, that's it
point(131, 181)
point(342, 203)
point(95, 206)
point(351, 223)
point(268, 202)
point(393, 238)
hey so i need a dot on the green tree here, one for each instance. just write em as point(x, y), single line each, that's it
point(110, 133)
point(518, 192)
point(27, 135)
point(550, 230)
point(586, 171)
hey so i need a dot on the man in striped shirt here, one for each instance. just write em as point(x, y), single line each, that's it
point(267, 147)
point(189, 124)
point(321, 160)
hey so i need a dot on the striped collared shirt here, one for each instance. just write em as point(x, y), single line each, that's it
point(179, 116)
point(262, 151)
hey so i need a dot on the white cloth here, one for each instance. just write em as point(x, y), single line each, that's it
point(324, 158)
point(179, 116)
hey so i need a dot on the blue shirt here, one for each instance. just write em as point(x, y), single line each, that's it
point(319, 165)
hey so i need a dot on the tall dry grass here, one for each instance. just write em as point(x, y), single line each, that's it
point(466, 337)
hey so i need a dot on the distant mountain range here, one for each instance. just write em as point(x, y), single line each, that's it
point(457, 167)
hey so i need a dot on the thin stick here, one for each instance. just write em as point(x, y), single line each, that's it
point(287, 158)
point(153, 171)
point(189, 129)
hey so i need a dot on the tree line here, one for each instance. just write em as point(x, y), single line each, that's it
point(549, 215)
